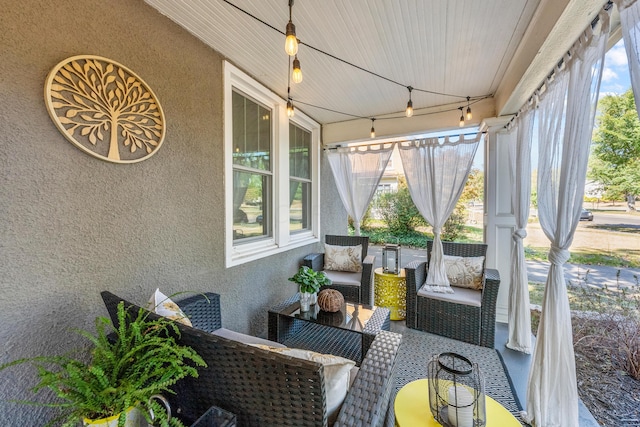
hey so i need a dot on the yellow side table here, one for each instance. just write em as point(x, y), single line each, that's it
point(412, 408)
point(390, 291)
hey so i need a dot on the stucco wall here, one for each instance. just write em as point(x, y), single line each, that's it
point(72, 225)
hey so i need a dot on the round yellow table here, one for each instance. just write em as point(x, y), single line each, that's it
point(390, 291)
point(412, 408)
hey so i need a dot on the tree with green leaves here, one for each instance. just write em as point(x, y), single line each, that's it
point(615, 151)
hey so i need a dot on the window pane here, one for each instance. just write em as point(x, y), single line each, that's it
point(251, 201)
point(251, 133)
point(300, 206)
point(299, 149)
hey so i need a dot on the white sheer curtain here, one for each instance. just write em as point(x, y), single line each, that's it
point(436, 173)
point(520, 174)
point(630, 22)
point(566, 115)
point(357, 172)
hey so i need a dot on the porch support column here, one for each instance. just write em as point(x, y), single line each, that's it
point(499, 220)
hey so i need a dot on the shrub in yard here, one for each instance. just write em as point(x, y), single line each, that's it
point(609, 321)
point(453, 229)
point(398, 210)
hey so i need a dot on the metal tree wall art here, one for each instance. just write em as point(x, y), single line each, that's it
point(105, 109)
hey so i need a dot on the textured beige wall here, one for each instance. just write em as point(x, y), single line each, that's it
point(72, 225)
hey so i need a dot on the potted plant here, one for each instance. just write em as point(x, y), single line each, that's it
point(126, 370)
point(309, 282)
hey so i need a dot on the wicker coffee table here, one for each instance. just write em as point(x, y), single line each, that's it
point(347, 333)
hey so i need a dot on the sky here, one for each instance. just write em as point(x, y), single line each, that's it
point(615, 75)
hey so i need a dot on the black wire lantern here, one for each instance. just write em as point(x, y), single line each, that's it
point(391, 258)
point(456, 391)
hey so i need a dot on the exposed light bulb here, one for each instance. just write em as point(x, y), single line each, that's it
point(297, 72)
point(291, 42)
point(290, 111)
point(469, 115)
point(373, 131)
point(409, 111)
point(461, 121)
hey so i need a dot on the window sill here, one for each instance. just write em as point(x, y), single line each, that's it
point(244, 253)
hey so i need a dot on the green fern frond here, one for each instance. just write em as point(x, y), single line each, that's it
point(141, 357)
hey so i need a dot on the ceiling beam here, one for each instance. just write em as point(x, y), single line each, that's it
point(555, 27)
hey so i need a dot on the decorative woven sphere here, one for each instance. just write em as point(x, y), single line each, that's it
point(330, 300)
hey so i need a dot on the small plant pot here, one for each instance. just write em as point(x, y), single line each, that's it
point(134, 419)
point(305, 301)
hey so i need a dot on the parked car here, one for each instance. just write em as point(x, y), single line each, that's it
point(586, 215)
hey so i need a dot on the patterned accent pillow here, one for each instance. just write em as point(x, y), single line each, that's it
point(337, 371)
point(464, 272)
point(162, 305)
point(343, 258)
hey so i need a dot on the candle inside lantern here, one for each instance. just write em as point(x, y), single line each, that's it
point(460, 410)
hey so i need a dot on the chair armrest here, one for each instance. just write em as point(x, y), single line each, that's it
point(203, 310)
point(366, 282)
point(489, 299)
point(415, 274)
point(368, 398)
point(314, 261)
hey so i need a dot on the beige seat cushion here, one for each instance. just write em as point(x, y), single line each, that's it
point(464, 296)
point(244, 338)
point(343, 277)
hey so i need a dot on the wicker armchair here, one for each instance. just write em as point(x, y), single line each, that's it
point(264, 388)
point(463, 322)
point(359, 291)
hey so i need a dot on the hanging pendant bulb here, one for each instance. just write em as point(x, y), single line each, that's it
point(373, 131)
point(461, 117)
point(469, 115)
point(291, 42)
point(290, 110)
point(409, 111)
point(297, 72)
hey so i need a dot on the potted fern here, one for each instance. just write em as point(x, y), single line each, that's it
point(309, 282)
point(126, 371)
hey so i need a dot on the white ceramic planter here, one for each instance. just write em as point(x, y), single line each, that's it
point(306, 299)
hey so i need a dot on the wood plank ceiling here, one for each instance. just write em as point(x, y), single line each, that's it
point(454, 47)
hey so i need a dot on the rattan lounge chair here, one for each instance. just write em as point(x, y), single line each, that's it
point(463, 322)
point(264, 388)
point(359, 291)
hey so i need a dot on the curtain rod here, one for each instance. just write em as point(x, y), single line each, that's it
point(607, 7)
point(369, 144)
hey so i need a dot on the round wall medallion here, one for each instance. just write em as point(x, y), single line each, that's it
point(104, 109)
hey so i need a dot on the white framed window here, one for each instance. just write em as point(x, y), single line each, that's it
point(271, 172)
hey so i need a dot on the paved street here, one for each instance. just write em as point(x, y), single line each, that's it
point(594, 274)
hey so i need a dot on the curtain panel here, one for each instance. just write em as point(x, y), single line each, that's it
point(566, 116)
point(357, 172)
point(436, 173)
point(520, 174)
point(630, 23)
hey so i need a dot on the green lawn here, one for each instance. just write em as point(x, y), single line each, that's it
point(621, 259)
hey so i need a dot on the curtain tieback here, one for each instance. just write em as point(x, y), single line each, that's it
point(436, 230)
point(558, 256)
point(519, 234)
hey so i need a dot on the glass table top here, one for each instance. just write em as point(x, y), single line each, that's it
point(352, 317)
